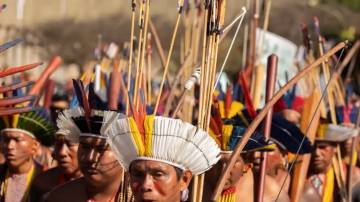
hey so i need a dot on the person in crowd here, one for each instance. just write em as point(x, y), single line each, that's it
point(21, 136)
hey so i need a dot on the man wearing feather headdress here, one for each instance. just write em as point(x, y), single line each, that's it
point(161, 154)
point(240, 186)
point(21, 136)
point(321, 184)
point(102, 174)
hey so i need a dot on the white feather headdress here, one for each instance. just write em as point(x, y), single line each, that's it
point(163, 139)
point(72, 123)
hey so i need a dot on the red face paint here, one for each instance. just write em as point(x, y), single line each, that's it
point(135, 186)
point(158, 188)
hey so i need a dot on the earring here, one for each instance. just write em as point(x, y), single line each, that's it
point(185, 195)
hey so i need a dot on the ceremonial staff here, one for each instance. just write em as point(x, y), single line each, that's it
point(252, 127)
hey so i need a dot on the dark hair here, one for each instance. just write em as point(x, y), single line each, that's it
point(179, 172)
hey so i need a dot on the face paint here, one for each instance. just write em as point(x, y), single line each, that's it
point(154, 181)
point(135, 186)
point(159, 189)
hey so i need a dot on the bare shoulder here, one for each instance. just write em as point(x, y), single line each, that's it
point(71, 191)
point(273, 191)
point(310, 194)
point(356, 176)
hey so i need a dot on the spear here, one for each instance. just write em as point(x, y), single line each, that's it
point(149, 64)
point(133, 6)
point(180, 4)
point(138, 59)
point(254, 124)
point(205, 38)
point(143, 47)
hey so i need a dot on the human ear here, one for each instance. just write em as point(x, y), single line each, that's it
point(247, 167)
point(35, 146)
point(185, 180)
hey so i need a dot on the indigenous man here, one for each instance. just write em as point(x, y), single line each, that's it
point(321, 184)
point(21, 135)
point(288, 139)
point(102, 174)
point(241, 184)
point(162, 155)
point(65, 153)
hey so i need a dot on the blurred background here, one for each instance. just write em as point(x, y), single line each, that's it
point(71, 28)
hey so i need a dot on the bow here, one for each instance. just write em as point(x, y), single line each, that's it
point(252, 127)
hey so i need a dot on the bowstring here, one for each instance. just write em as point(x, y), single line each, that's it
point(308, 127)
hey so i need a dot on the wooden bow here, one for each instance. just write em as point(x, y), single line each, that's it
point(255, 123)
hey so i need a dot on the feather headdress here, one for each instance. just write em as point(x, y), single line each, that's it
point(163, 139)
point(335, 133)
point(73, 124)
point(89, 118)
point(227, 133)
point(35, 123)
point(283, 132)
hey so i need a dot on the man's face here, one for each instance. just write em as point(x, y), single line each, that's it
point(157, 181)
point(322, 156)
point(96, 161)
point(235, 174)
point(18, 148)
point(65, 153)
point(275, 160)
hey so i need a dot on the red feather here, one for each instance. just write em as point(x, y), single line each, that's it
point(248, 101)
point(228, 100)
